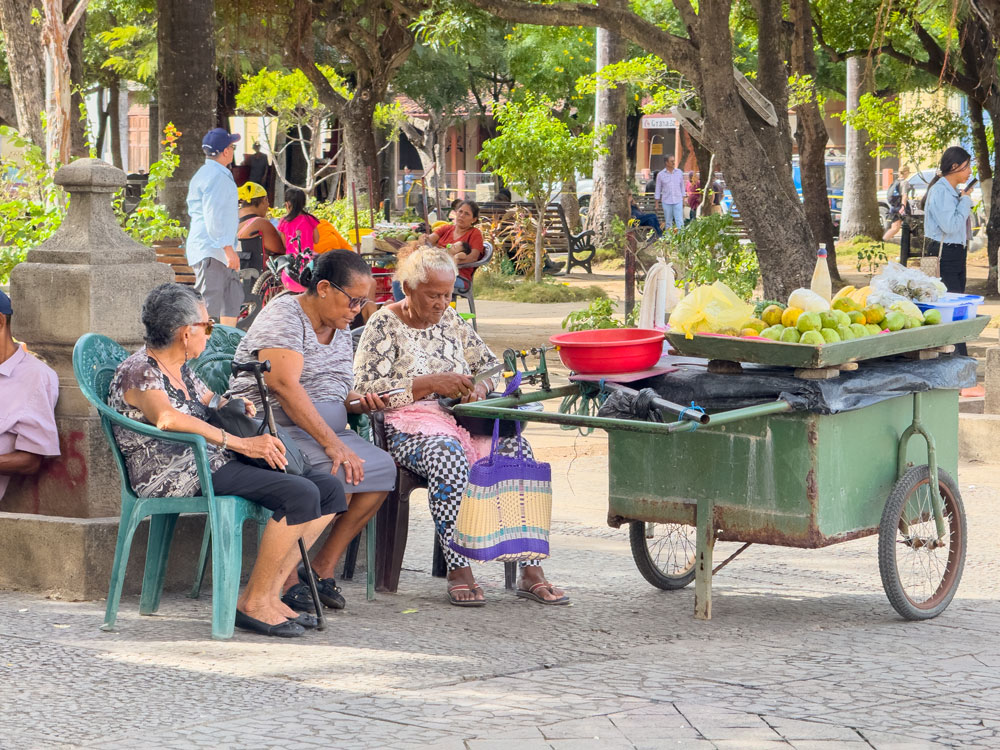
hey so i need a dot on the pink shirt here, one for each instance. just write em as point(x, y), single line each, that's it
point(303, 223)
point(28, 390)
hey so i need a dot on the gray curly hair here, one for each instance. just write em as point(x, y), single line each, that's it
point(167, 308)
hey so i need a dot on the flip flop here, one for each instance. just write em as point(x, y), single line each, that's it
point(530, 594)
point(464, 602)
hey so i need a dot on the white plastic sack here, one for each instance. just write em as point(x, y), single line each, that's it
point(661, 295)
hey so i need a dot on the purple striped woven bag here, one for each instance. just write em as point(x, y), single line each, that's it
point(506, 509)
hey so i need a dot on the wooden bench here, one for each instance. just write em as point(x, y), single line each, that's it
point(556, 234)
point(173, 255)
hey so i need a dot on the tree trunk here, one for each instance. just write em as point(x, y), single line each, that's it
point(360, 152)
point(185, 41)
point(539, 231)
point(860, 214)
point(79, 147)
point(155, 132)
point(747, 148)
point(115, 115)
point(570, 202)
point(993, 223)
point(981, 155)
point(610, 195)
point(102, 123)
point(811, 136)
point(23, 45)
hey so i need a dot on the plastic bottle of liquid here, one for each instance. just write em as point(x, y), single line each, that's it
point(821, 276)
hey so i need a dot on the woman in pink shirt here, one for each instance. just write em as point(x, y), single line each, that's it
point(298, 225)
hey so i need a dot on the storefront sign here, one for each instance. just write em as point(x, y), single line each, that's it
point(658, 123)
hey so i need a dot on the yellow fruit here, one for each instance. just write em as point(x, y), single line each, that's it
point(846, 304)
point(753, 332)
point(857, 316)
point(790, 317)
point(874, 314)
point(844, 292)
point(756, 324)
point(861, 295)
point(771, 315)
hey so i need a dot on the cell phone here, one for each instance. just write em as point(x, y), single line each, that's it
point(383, 396)
point(971, 184)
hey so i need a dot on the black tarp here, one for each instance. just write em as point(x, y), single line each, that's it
point(874, 381)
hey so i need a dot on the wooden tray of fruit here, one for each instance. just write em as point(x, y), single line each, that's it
point(812, 354)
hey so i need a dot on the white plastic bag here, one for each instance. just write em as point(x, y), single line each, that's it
point(660, 296)
point(897, 282)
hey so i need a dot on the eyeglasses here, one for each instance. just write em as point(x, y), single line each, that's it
point(352, 302)
point(208, 324)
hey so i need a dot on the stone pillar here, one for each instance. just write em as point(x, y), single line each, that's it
point(88, 277)
point(991, 404)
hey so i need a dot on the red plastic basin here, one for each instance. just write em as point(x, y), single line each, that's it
point(609, 351)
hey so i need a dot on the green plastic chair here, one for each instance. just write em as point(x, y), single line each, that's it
point(213, 367)
point(95, 359)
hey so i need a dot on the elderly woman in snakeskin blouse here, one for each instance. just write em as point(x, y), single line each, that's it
point(421, 346)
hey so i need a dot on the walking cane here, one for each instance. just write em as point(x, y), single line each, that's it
point(258, 369)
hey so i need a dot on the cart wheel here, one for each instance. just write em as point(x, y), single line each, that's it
point(664, 553)
point(920, 573)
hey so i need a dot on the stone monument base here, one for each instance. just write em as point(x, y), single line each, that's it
point(70, 558)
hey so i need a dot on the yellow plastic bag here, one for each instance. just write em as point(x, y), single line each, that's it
point(712, 308)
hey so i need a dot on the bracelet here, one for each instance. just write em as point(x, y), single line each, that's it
point(225, 440)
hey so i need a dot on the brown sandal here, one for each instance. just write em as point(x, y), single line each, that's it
point(465, 602)
point(530, 594)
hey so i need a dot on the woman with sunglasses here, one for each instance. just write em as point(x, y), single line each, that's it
point(306, 339)
point(155, 386)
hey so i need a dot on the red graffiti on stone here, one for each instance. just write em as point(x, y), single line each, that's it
point(69, 470)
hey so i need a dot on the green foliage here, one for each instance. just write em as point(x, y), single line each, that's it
point(32, 205)
point(867, 253)
point(150, 221)
point(601, 313)
point(547, 61)
point(920, 134)
point(535, 150)
point(340, 212)
point(708, 250)
point(131, 51)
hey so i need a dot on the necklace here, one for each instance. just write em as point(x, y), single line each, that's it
point(166, 371)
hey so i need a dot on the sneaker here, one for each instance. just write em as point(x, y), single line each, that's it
point(327, 588)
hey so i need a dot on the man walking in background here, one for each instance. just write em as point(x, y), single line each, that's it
point(670, 191)
point(213, 206)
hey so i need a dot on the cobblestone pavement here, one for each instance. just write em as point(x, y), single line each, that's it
point(803, 652)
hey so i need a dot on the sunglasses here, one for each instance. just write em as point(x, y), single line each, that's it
point(352, 302)
point(208, 325)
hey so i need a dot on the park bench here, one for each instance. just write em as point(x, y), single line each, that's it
point(557, 237)
point(173, 255)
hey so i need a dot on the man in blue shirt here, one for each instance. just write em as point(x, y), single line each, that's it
point(213, 206)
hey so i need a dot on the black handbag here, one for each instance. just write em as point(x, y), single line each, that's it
point(232, 418)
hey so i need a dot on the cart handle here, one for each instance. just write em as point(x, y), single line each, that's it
point(501, 408)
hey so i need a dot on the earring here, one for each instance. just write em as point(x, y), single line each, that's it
point(323, 296)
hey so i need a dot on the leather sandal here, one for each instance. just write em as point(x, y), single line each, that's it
point(465, 602)
point(530, 593)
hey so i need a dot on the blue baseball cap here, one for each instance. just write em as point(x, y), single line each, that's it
point(218, 140)
point(5, 306)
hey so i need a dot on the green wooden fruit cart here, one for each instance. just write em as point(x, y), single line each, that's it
point(767, 474)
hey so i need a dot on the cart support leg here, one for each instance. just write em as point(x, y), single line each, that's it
point(703, 570)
